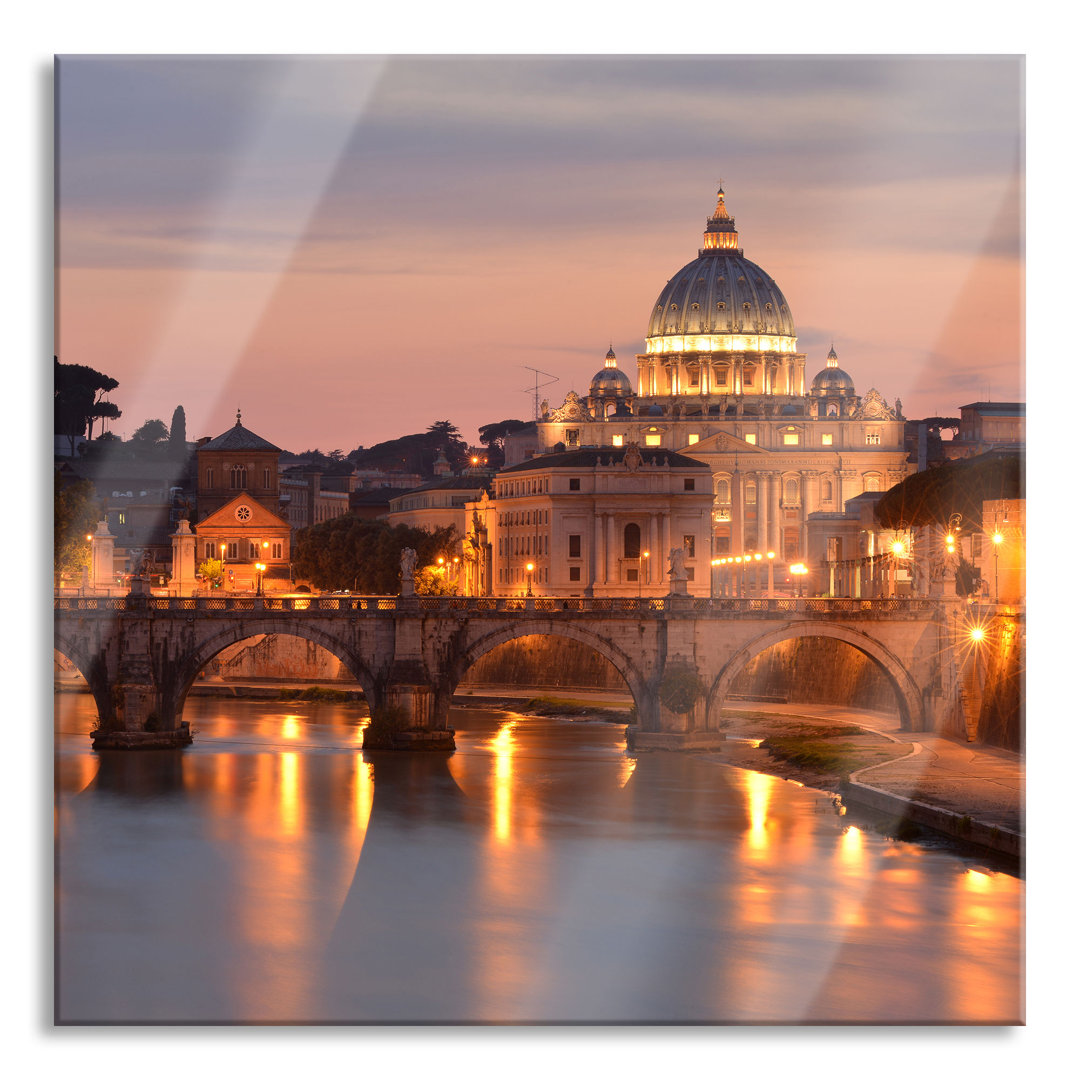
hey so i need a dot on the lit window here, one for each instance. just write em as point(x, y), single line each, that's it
point(691, 439)
point(616, 440)
point(652, 440)
point(751, 438)
point(573, 437)
point(873, 439)
point(791, 438)
point(826, 440)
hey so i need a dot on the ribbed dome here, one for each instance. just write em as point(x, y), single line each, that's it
point(721, 292)
point(832, 376)
point(833, 379)
point(610, 381)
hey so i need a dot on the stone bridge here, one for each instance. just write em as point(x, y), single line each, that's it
point(679, 656)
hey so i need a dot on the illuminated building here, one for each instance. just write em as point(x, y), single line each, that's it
point(721, 380)
point(593, 522)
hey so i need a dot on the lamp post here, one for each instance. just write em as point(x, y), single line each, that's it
point(772, 591)
point(642, 555)
point(223, 546)
point(528, 578)
point(899, 551)
point(260, 569)
point(997, 539)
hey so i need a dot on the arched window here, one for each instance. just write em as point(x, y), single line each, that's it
point(826, 491)
point(632, 541)
point(238, 477)
point(832, 409)
point(791, 490)
point(872, 482)
point(723, 491)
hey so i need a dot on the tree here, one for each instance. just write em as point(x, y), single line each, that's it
point(932, 496)
point(365, 556)
point(151, 431)
point(446, 437)
point(77, 400)
point(76, 512)
point(212, 571)
point(178, 431)
point(493, 436)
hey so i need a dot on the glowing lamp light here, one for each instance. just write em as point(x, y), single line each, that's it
point(997, 538)
point(529, 567)
point(898, 548)
point(977, 633)
point(757, 556)
point(89, 537)
point(772, 554)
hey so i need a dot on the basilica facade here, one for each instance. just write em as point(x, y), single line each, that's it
point(721, 381)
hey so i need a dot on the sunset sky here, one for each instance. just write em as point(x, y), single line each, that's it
point(348, 249)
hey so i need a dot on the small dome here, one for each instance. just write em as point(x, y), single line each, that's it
point(833, 378)
point(655, 410)
point(609, 382)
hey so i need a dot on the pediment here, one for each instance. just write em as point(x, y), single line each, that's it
point(257, 516)
point(722, 443)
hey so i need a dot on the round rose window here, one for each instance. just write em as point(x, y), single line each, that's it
point(243, 513)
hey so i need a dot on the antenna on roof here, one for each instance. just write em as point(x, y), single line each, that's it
point(535, 388)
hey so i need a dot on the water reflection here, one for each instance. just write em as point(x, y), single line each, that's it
point(275, 874)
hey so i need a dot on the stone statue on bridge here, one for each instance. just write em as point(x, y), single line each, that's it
point(408, 568)
point(677, 575)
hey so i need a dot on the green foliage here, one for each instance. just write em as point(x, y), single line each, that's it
point(151, 431)
point(955, 487)
point(967, 577)
point(493, 436)
point(212, 571)
point(416, 453)
point(680, 690)
point(386, 720)
point(364, 556)
point(430, 581)
point(76, 512)
point(818, 755)
point(77, 393)
point(178, 431)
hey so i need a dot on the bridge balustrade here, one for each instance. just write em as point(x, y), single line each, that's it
point(730, 607)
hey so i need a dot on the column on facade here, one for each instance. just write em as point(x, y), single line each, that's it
point(665, 542)
point(764, 508)
point(612, 552)
point(654, 563)
point(598, 563)
point(775, 485)
point(737, 513)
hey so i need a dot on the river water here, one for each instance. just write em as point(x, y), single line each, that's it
point(273, 873)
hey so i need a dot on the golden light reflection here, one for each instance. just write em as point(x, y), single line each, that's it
point(758, 789)
point(289, 805)
point(290, 727)
point(503, 747)
point(626, 770)
point(363, 794)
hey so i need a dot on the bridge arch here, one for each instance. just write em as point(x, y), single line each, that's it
point(94, 669)
point(908, 695)
point(177, 680)
point(488, 639)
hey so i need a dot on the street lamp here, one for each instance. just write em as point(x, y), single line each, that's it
point(260, 569)
point(800, 570)
point(641, 556)
point(528, 578)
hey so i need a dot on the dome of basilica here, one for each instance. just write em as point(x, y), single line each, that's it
point(720, 293)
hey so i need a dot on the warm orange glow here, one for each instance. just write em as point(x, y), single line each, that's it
point(758, 789)
point(898, 548)
point(772, 554)
point(757, 556)
point(977, 633)
point(529, 567)
point(997, 538)
point(503, 746)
